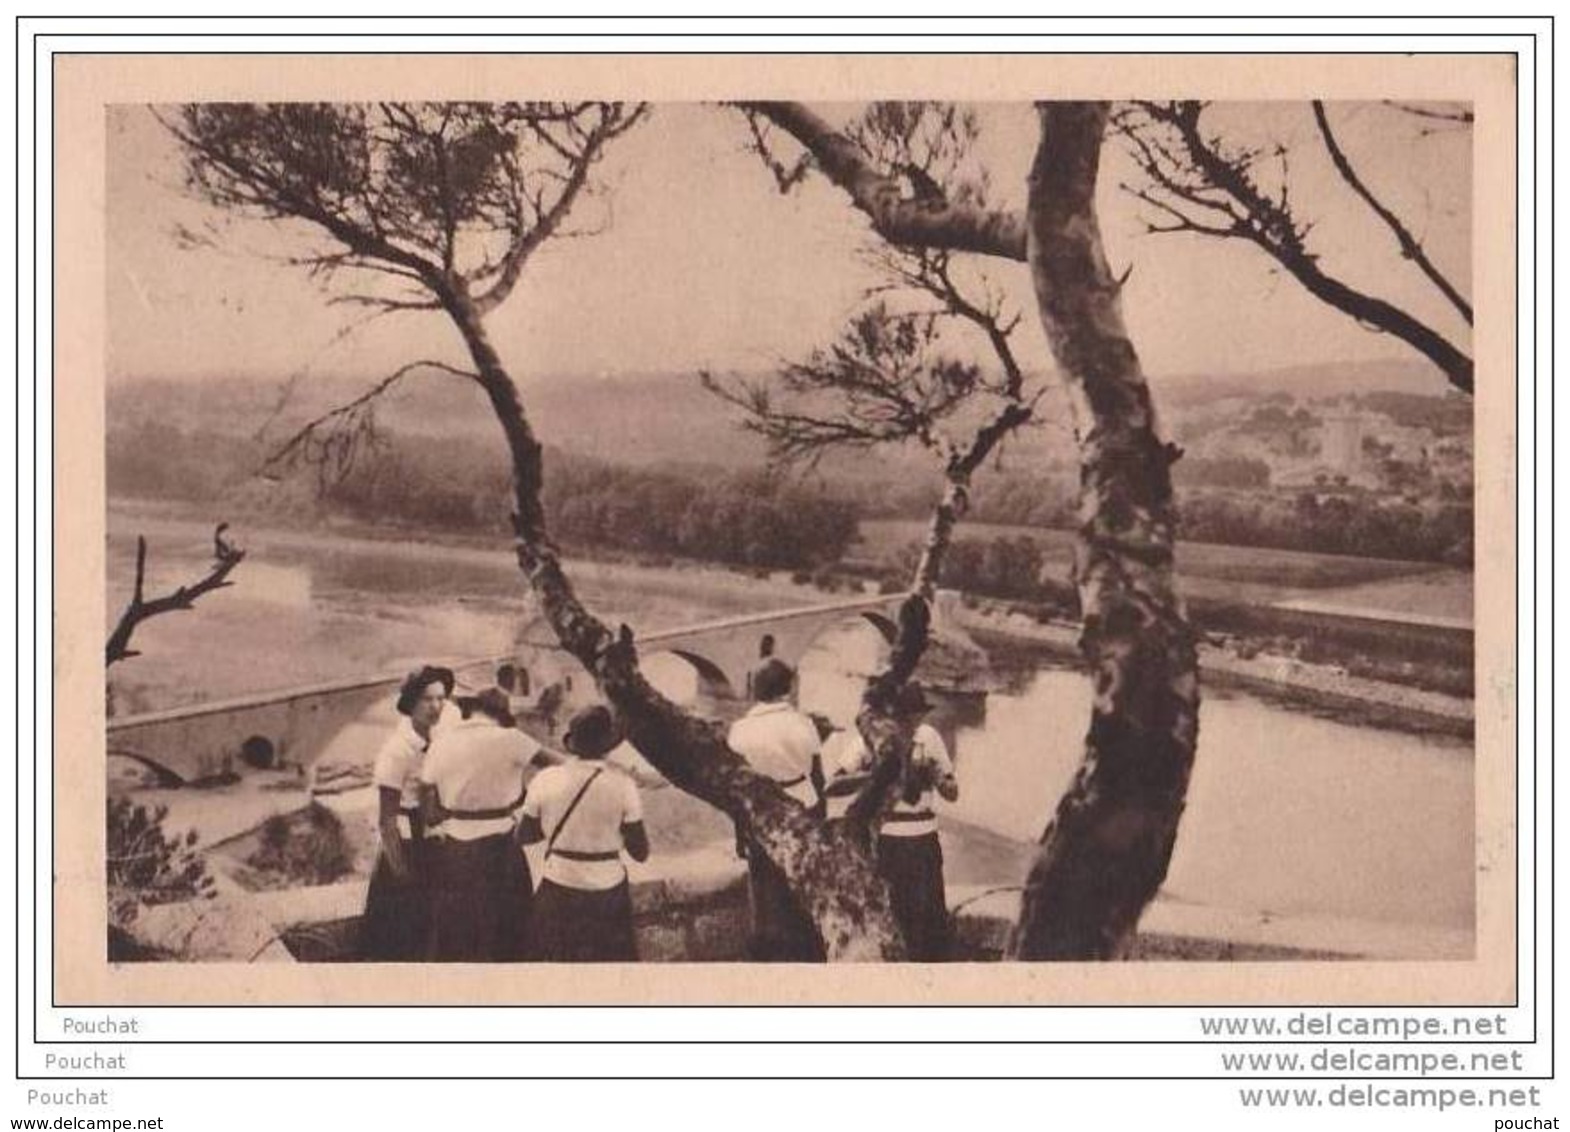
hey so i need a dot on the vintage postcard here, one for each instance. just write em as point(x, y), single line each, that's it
point(785, 529)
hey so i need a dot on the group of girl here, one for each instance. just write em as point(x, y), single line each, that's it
point(457, 806)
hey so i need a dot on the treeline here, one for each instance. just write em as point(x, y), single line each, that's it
point(1012, 567)
point(1223, 504)
point(1008, 566)
point(1332, 523)
point(742, 518)
point(153, 459)
point(1017, 567)
point(461, 486)
point(1004, 498)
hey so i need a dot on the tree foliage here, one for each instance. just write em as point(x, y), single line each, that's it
point(447, 212)
point(888, 379)
point(418, 194)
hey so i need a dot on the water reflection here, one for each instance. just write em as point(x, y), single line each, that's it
point(1287, 812)
point(1290, 810)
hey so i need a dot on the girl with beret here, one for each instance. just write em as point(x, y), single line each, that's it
point(396, 924)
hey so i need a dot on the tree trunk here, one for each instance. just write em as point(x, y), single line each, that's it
point(1106, 851)
point(890, 739)
point(940, 532)
point(827, 869)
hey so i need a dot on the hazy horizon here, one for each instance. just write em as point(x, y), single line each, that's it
point(704, 264)
point(1412, 365)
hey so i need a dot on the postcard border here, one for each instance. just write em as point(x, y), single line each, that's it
point(815, 1005)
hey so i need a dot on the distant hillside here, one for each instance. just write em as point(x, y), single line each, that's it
point(1395, 375)
point(653, 464)
point(648, 418)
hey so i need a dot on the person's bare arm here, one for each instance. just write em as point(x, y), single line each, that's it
point(636, 839)
point(528, 831)
point(545, 757)
point(939, 765)
point(387, 823)
point(432, 812)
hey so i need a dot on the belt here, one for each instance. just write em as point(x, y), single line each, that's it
point(786, 784)
point(485, 815)
point(575, 855)
point(909, 815)
point(416, 826)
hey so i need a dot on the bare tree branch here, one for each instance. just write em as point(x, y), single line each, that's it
point(334, 436)
point(1191, 170)
point(1460, 117)
point(886, 380)
point(141, 608)
point(786, 177)
point(900, 218)
point(1411, 248)
point(613, 121)
point(324, 167)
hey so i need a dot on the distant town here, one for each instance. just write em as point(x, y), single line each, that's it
point(1365, 459)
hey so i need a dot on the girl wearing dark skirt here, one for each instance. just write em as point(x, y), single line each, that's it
point(910, 857)
point(909, 854)
point(473, 783)
point(586, 814)
point(396, 924)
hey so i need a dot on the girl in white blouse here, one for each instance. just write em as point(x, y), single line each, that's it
point(587, 815)
point(396, 925)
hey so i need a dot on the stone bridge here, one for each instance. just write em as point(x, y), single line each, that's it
point(298, 726)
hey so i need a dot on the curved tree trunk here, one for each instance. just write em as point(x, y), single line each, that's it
point(1106, 850)
point(890, 739)
point(940, 532)
point(827, 868)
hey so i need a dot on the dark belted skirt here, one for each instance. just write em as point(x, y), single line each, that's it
point(913, 869)
point(576, 925)
point(482, 898)
point(396, 925)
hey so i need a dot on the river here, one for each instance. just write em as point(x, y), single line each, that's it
point(1289, 813)
point(308, 607)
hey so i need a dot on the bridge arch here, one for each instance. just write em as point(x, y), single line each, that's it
point(835, 664)
point(161, 775)
point(711, 677)
point(352, 717)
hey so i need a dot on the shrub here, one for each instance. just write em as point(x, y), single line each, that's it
point(307, 848)
point(145, 865)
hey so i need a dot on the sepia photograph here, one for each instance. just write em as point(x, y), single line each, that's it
point(950, 536)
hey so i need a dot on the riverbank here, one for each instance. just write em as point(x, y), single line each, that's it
point(470, 600)
point(1254, 851)
point(317, 607)
point(151, 517)
point(1017, 640)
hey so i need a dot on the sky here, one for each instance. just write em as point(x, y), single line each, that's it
point(703, 263)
